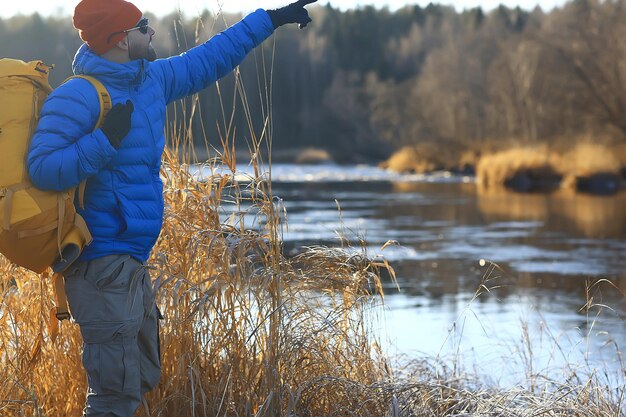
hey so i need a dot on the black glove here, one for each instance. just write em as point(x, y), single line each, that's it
point(293, 13)
point(116, 124)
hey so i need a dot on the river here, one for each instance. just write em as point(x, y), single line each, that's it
point(493, 281)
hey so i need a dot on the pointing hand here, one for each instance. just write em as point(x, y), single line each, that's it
point(293, 13)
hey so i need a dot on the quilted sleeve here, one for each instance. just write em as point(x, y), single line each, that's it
point(202, 65)
point(64, 150)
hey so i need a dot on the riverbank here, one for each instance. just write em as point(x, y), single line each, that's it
point(584, 167)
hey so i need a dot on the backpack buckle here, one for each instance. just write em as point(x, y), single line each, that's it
point(63, 315)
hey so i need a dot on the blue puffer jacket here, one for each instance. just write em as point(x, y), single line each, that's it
point(123, 197)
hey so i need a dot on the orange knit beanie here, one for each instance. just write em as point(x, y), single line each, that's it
point(96, 20)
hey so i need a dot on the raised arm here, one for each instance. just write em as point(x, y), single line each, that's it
point(202, 65)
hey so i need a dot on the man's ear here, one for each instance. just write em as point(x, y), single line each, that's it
point(123, 44)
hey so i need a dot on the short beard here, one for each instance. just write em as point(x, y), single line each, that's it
point(150, 54)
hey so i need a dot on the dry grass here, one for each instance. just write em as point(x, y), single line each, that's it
point(496, 169)
point(408, 159)
point(256, 329)
point(586, 159)
point(543, 164)
point(620, 153)
point(303, 156)
point(426, 157)
point(589, 159)
point(540, 165)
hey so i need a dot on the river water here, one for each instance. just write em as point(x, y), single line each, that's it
point(493, 281)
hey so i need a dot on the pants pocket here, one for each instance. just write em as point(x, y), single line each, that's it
point(111, 367)
point(111, 359)
point(105, 367)
point(111, 273)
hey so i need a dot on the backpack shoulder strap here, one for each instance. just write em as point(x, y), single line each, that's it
point(103, 96)
point(105, 105)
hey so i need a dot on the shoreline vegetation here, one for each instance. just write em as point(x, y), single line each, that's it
point(250, 332)
point(585, 166)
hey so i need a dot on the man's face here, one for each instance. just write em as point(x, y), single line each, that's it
point(140, 43)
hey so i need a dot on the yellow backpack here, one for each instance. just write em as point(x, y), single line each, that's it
point(38, 229)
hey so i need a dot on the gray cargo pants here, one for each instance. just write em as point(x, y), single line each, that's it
point(112, 300)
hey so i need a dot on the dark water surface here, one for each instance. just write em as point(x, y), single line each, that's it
point(498, 278)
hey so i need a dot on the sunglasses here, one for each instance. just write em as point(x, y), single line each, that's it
point(142, 26)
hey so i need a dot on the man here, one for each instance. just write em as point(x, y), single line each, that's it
point(108, 289)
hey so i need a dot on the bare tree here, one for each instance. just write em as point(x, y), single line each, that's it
point(589, 36)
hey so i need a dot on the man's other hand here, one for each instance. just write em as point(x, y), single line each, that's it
point(116, 124)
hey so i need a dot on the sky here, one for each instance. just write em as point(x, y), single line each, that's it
point(192, 7)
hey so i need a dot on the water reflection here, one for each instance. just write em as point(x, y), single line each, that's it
point(591, 216)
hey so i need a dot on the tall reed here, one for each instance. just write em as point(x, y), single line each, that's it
point(247, 331)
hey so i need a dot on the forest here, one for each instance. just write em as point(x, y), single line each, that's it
point(362, 83)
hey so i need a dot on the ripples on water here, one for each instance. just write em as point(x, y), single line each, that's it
point(548, 249)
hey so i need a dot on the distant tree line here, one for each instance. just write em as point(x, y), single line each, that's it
point(361, 83)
